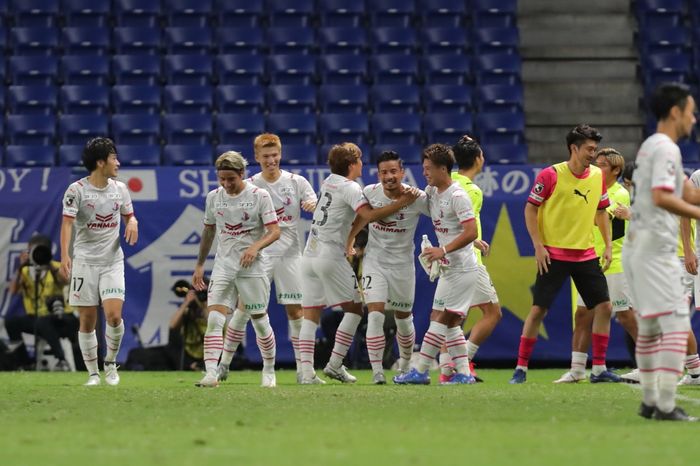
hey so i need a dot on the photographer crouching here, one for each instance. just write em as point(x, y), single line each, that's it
point(41, 284)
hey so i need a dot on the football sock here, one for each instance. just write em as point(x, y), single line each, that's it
point(88, 346)
point(213, 341)
point(343, 338)
point(375, 340)
point(113, 336)
point(432, 341)
point(235, 332)
point(406, 339)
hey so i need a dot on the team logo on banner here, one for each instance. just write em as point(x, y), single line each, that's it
point(142, 184)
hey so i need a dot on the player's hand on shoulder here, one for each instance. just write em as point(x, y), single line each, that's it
point(308, 206)
point(409, 195)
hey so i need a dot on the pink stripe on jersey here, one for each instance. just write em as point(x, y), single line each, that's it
point(361, 206)
point(274, 222)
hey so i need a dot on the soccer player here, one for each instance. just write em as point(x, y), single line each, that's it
point(388, 271)
point(326, 276)
point(565, 201)
point(290, 193)
point(93, 207)
point(453, 218)
point(649, 253)
point(470, 161)
point(611, 163)
point(243, 219)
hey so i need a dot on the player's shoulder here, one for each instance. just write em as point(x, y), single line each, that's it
point(120, 185)
point(215, 192)
point(373, 188)
point(78, 185)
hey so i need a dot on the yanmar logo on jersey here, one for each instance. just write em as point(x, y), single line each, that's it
point(388, 227)
point(234, 230)
point(438, 228)
point(281, 217)
point(103, 222)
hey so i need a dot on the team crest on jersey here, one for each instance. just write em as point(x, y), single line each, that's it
point(539, 187)
point(287, 201)
point(115, 207)
point(246, 217)
point(400, 216)
point(442, 214)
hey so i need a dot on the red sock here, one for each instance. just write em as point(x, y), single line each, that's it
point(600, 348)
point(525, 350)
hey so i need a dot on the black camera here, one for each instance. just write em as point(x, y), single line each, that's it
point(55, 305)
point(182, 287)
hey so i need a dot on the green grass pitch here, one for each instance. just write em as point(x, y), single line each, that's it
point(160, 418)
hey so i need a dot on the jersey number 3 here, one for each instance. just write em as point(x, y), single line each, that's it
point(324, 210)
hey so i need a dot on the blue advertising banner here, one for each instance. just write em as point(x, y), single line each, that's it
point(169, 203)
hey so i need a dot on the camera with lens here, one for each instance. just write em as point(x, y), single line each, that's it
point(55, 305)
point(182, 287)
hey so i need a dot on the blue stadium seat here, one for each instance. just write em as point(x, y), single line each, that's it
point(76, 129)
point(139, 155)
point(34, 41)
point(339, 40)
point(136, 70)
point(2, 152)
point(445, 40)
point(238, 13)
point(246, 150)
point(136, 99)
point(446, 127)
point(395, 98)
point(409, 153)
point(690, 150)
point(339, 127)
point(86, 13)
point(325, 149)
point(70, 155)
point(442, 13)
point(35, 13)
point(187, 13)
point(185, 128)
point(505, 153)
point(32, 100)
point(240, 69)
point(497, 98)
point(243, 98)
point(86, 41)
point(399, 40)
point(239, 40)
point(342, 13)
point(496, 40)
point(291, 13)
point(494, 13)
point(137, 41)
point(183, 40)
point(501, 128)
point(664, 40)
point(659, 13)
point(31, 71)
point(238, 128)
point(137, 13)
point(343, 69)
point(83, 70)
point(291, 69)
point(447, 98)
point(3, 36)
point(188, 99)
point(30, 156)
point(299, 154)
point(497, 68)
point(293, 128)
point(135, 129)
point(391, 13)
point(394, 69)
point(283, 98)
point(447, 69)
point(396, 128)
point(660, 67)
point(290, 40)
point(30, 130)
point(192, 70)
point(176, 154)
point(334, 98)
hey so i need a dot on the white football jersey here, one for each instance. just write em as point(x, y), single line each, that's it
point(391, 238)
point(695, 179)
point(659, 166)
point(338, 201)
point(240, 221)
point(449, 210)
point(287, 194)
point(97, 213)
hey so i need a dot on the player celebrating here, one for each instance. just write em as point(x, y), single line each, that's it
point(93, 206)
point(453, 219)
point(470, 161)
point(327, 278)
point(649, 253)
point(566, 200)
point(611, 164)
point(290, 193)
point(388, 271)
point(244, 221)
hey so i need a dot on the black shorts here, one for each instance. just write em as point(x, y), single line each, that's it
point(588, 278)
